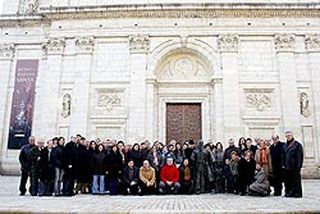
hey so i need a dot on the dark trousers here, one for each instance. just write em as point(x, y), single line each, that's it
point(186, 187)
point(46, 187)
point(147, 190)
point(68, 186)
point(34, 185)
point(292, 183)
point(276, 182)
point(131, 189)
point(165, 188)
point(23, 182)
point(113, 186)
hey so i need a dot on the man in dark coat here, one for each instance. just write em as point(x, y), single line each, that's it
point(70, 167)
point(38, 165)
point(58, 162)
point(200, 159)
point(130, 178)
point(246, 169)
point(230, 149)
point(276, 152)
point(25, 164)
point(292, 164)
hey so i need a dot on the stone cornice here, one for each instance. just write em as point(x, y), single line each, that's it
point(190, 13)
point(210, 10)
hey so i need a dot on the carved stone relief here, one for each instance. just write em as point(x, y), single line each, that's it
point(108, 99)
point(54, 46)
point(261, 100)
point(285, 42)
point(139, 43)
point(228, 42)
point(313, 42)
point(183, 67)
point(6, 50)
point(85, 43)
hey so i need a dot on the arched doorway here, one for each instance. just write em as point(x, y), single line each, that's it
point(184, 96)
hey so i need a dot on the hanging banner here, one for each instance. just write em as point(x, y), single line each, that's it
point(22, 103)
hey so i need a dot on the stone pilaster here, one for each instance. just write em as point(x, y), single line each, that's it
point(6, 55)
point(138, 47)
point(80, 95)
point(217, 107)
point(285, 45)
point(312, 42)
point(51, 68)
point(228, 46)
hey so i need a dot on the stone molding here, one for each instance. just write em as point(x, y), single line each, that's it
point(312, 42)
point(228, 42)
point(6, 51)
point(285, 42)
point(85, 44)
point(54, 46)
point(139, 43)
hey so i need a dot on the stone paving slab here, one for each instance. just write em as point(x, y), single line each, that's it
point(10, 202)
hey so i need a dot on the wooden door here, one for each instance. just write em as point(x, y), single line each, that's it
point(183, 121)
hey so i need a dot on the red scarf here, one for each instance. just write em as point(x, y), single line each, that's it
point(263, 156)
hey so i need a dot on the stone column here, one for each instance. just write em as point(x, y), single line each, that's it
point(228, 46)
point(139, 47)
point(6, 55)
point(285, 45)
point(54, 49)
point(313, 46)
point(80, 94)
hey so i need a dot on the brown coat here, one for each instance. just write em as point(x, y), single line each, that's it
point(147, 175)
point(267, 167)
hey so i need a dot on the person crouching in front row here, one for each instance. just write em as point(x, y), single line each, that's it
point(130, 179)
point(147, 176)
point(261, 185)
point(169, 178)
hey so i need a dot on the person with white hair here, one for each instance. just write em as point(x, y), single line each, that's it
point(292, 164)
point(169, 178)
point(39, 161)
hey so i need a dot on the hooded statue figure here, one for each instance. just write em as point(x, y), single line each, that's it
point(200, 159)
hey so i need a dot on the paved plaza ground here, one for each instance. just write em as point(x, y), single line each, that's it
point(10, 202)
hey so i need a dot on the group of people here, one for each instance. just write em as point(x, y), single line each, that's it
point(113, 167)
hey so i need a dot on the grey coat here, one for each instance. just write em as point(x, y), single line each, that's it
point(261, 184)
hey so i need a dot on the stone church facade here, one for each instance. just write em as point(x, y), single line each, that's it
point(191, 69)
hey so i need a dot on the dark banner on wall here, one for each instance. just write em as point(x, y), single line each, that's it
point(22, 103)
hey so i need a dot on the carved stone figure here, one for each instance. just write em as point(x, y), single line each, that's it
point(304, 104)
point(66, 105)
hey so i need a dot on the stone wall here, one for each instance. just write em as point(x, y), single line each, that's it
point(110, 75)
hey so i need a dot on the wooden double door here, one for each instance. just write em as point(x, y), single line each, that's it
point(183, 121)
